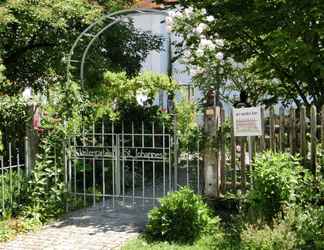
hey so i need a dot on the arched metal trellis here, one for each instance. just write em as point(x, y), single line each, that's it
point(86, 39)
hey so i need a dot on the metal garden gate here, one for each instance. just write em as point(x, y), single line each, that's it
point(127, 165)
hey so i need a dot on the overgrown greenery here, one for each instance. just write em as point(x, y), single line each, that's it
point(275, 181)
point(280, 42)
point(283, 200)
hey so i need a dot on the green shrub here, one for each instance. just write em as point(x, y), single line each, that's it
point(182, 217)
point(13, 194)
point(275, 180)
point(279, 237)
point(308, 223)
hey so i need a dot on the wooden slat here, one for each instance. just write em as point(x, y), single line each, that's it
point(302, 136)
point(281, 129)
point(322, 127)
point(262, 138)
point(313, 137)
point(233, 154)
point(292, 131)
point(272, 130)
point(243, 167)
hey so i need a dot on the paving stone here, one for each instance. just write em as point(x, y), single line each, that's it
point(97, 228)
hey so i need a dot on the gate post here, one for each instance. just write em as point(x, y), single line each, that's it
point(212, 120)
point(31, 141)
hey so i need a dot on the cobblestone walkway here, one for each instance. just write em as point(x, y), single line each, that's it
point(87, 229)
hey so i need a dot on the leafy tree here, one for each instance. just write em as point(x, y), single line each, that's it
point(35, 37)
point(282, 39)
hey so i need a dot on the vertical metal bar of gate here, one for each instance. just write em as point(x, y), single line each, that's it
point(198, 167)
point(114, 160)
point(123, 162)
point(163, 145)
point(10, 172)
point(2, 183)
point(175, 155)
point(84, 169)
point(153, 144)
point(133, 165)
point(93, 167)
point(143, 166)
point(103, 163)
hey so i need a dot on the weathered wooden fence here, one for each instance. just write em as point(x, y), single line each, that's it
point(294, 130)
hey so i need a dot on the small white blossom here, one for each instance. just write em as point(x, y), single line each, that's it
point(206, 44)
point(141, 97)
point(219, 43)
point(187, 53)
point(188, 12)
point(197, 71)
point(199, 52)
point(210, 19)
point(204, 11)
point(220, 56)
point(201, 28)
point(169, 23)
point(172, 13)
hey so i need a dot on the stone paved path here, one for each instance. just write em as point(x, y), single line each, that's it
point(88, 229)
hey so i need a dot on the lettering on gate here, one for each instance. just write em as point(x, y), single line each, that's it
point(92, 151)
point(142, 154)
point(126, 153)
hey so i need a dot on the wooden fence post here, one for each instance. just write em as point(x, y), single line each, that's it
point(262, 139)
point(243, 167)
point(322, 127)
point(302, 122)
point(292, 131)
point(233, 154)
point(281, 129)
point(313, 138)
point(272, 130)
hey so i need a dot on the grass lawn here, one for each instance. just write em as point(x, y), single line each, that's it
point(140, 243)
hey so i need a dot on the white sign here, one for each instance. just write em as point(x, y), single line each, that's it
point(247, 121)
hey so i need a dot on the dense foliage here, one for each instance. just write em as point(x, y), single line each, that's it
point(182, 217)
point(278, 41)
point(276, 180)
point(36, 37)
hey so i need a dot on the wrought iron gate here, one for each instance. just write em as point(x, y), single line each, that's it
point(127, 165)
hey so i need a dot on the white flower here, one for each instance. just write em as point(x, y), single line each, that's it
point(276, 80)
point(141, 97)
point(197, 71)
point(188, 12)
point(220, 56)
point(187, 53)
point(201, 28)
point(199, 52)
point(172, 13)
point(206, 44)
point(169, 23)
point(210, 19)
point(219, 43)
point(27, 93)
point(204, 11)
point(169, 20)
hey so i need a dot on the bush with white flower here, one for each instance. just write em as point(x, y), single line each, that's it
point(202, 50)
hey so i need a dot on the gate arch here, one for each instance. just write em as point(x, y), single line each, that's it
point(91, 33)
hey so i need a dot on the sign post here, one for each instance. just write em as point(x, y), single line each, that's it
point(247, 122)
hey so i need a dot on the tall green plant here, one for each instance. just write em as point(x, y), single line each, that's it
point(275, 180)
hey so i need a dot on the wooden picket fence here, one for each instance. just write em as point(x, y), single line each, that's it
point(297, 131)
